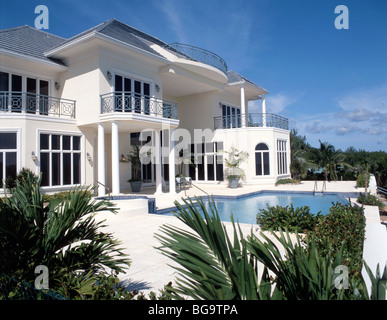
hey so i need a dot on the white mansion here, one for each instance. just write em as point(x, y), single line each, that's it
point(69, 108)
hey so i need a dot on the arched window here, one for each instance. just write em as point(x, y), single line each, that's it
point(262, 162)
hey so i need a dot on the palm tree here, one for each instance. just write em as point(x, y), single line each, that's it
point(234, 160)
point(328, 159)
point(300, 149)
point(61, 235)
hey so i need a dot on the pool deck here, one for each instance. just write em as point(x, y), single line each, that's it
point(150, 270)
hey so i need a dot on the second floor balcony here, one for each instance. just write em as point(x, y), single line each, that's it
point(193, 53)
point(251, 120)
point(126, 102)
point(16, 102)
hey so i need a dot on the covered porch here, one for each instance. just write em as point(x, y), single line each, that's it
point(115, 138)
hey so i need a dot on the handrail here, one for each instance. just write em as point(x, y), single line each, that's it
point(132, 102)
point(109, 191)
point(314, 187)
point(199, 189)
point(381, 190)
point(324, 187)
point(251, 120)
point(34, 103)
point(193, 53)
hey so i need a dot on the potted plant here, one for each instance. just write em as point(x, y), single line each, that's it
point(134, 158)
point(233, 161)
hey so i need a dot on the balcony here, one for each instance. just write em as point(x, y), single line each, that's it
point(135, 103)
point(14, 102)
point(197, 54)
point(251, 120)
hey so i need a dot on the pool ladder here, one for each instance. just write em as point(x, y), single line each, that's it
point(324, 187)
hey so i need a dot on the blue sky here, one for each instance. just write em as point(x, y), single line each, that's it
point(330, 83)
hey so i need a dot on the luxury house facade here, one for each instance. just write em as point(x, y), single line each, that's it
point(70, 108)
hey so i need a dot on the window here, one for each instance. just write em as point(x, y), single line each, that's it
point(231, 117)
point(208, 162)
point(147, 168)
point(262, 161)
point(131, 95)
point(60, 159)
point(282, 166)
point(36, 98)
point(8, 155)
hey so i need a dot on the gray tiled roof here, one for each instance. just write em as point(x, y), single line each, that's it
point(29, 41)
point(32, 42)
point(122, 32)
point(234, 77)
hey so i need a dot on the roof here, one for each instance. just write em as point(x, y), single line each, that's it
point(234, 78)
point(29, 41)
point(35, 43)
point(122, 32)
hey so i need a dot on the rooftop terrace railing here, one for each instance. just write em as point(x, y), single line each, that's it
point(36, 104)
point(251, 120)
point(197, 54)
point(130, 102)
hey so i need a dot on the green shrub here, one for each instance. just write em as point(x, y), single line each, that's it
point(293, 219)
point(343, 227)
point(286, 181)
point(63, 195)
point(360, 181)
point(370, 200)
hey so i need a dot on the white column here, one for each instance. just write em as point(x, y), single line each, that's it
point(243, 107)
point(101, 160)
point(264, 111)
point(115, 159)
point(159, 186)
point(172, 181)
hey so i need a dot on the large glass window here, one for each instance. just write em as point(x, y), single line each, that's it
point(231, 117)
point(147, 168)
point(131, 95)
point(208, 161)
point(36, 98)
point(60, 159)
point(8, 156)
point(262, 160)
point(282, 165)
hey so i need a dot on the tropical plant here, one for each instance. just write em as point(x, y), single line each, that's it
point(328, 159)
point(293, 219)
point(363, 178)
point(62, 235)
point(370, 200)
point(211, 265)
point(342, 229)
point(135, 159)
point(184, 157)
point(300, 149)
point(287, 181)
point(233, 162)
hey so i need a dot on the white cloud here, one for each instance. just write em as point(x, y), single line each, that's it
point(382, 140)
point(317, 127)
point(277, 103)
point(370, 100)
point(175, 19)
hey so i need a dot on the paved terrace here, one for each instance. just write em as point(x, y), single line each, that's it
point(150, 270)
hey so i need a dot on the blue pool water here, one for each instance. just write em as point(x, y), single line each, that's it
point(245, 209)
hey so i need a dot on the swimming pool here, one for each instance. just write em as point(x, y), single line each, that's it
point(245, 209)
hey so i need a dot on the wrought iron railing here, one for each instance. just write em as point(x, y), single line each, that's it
point(197, 54)
point(251, 120)
point(131, 102)
point(38, 104)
